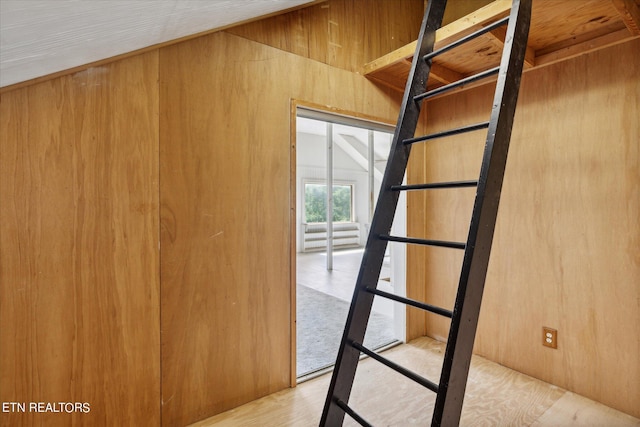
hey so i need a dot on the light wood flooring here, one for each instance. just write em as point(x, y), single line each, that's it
point(496, 396)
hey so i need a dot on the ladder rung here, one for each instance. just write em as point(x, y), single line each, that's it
point(411, 302)
point(465, 39)
point(454, 85)
point(441, 243)
point(435, 185)
point(353, 414)
point(449, 132)
point(404, 371)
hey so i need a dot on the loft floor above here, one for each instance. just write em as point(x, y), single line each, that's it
point(560, 30)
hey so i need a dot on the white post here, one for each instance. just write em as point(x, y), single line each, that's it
point(372, 166)
point(329, 196)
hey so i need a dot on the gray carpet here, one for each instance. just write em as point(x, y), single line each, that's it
point(321, 319)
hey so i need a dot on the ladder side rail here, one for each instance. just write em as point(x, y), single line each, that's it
point(476, 259)
point(361, 303)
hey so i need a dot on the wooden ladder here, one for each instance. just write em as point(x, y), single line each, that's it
point(477, 248)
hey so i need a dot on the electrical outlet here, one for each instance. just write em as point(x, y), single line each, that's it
point(549, 337)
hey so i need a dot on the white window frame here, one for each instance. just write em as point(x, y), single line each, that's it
point(306, 181)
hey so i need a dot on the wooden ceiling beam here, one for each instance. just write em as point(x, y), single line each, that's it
point(630, 13)
point(404, 53)
point(497, 38)
point(443, 74)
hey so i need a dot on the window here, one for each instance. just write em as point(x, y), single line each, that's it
point(315, 202)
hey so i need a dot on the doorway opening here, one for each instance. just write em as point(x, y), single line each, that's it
point(348, 156)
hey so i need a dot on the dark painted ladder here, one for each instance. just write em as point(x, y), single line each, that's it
point(464, 317)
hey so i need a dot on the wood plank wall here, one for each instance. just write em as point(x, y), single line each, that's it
point(418, 257)
point(80, 302)
point(79, 259)
point(225, 190)
point(566, 252)
point(343, 33)
point(81, 222)
point(348, 34)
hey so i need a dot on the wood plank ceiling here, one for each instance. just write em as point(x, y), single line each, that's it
point(559, 30)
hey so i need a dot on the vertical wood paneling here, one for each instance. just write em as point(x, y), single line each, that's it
point(224, 193)
point(79, 261)
point(225, 182)
point(566, 252)
point(416, 255)
point(343, 33)
point(448, 211)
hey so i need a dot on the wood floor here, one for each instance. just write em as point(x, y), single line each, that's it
point(496, 396)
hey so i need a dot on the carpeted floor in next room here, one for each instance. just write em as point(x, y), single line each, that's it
point(320, 323)
point(323, 298)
